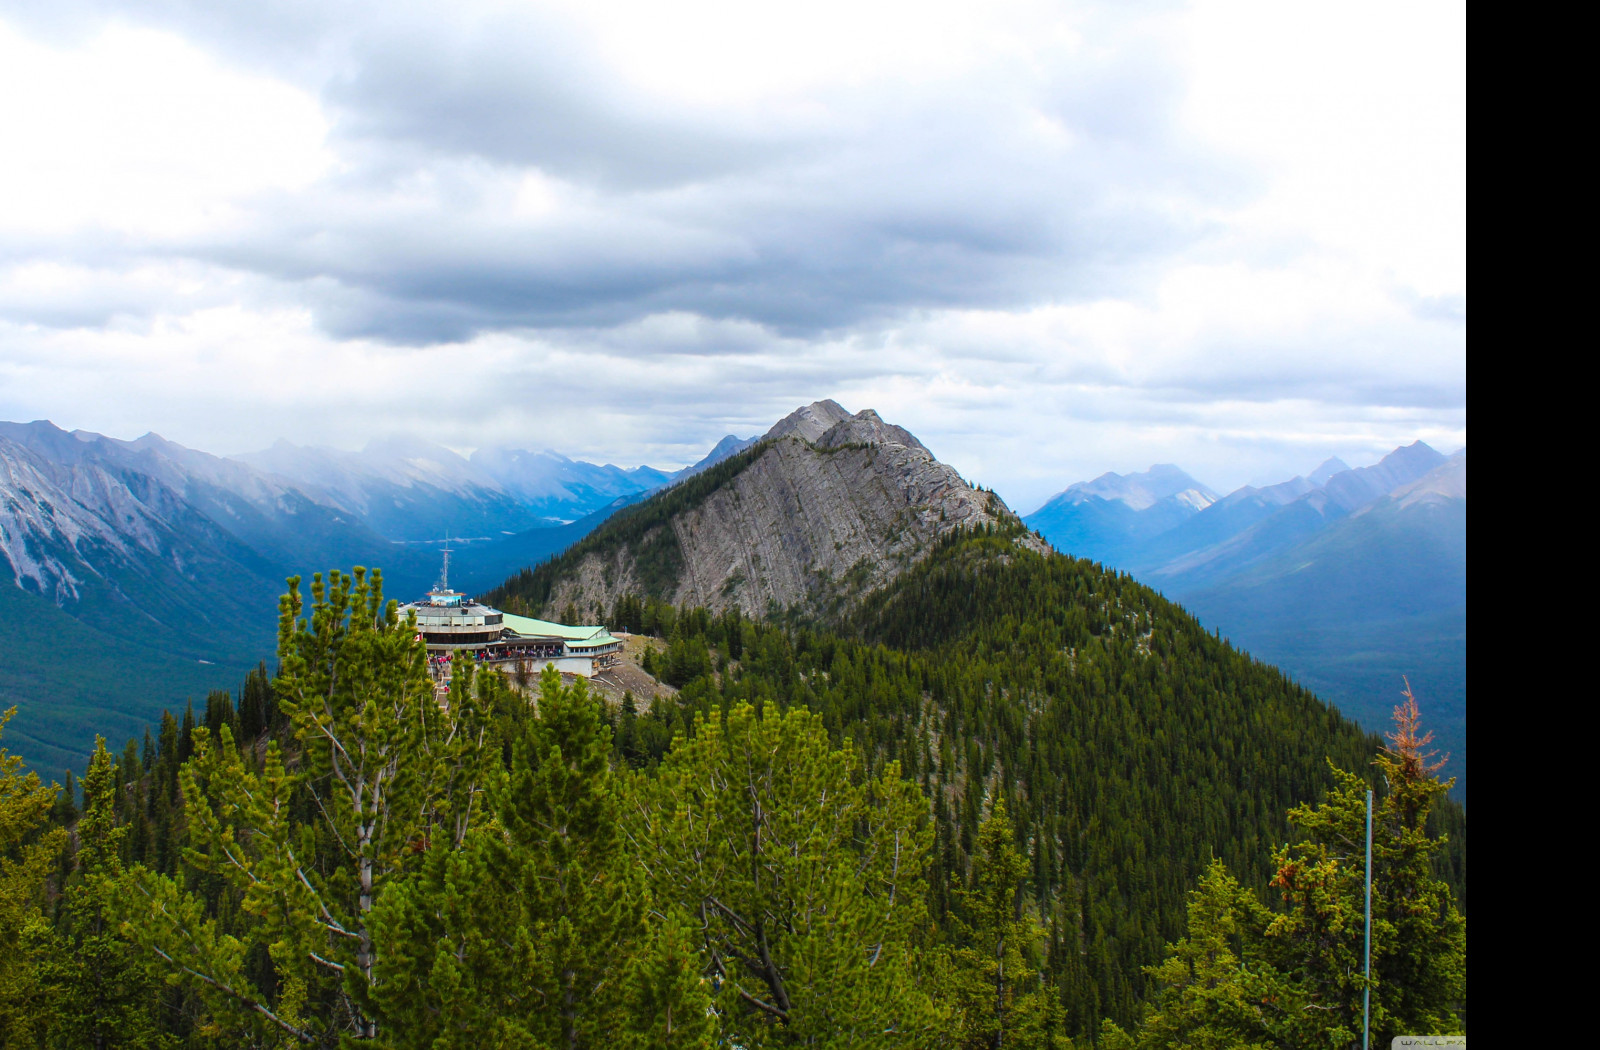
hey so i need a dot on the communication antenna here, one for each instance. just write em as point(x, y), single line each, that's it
point(444, 578)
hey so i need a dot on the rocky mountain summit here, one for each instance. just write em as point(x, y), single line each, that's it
point(826, 507)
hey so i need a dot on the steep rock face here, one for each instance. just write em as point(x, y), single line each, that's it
point(62, 524)
point(811, 522)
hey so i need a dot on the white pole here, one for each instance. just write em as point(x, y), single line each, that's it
point(1366, 970)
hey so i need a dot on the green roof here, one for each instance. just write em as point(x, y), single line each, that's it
point(528, 627)
point(595, 643)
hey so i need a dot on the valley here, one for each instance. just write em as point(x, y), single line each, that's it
point(137, 572)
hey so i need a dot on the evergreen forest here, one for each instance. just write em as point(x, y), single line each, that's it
point(1012, 800)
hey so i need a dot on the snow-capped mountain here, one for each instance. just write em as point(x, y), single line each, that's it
point(1107, 519)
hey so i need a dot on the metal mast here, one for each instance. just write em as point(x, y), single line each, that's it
point(444, 579)
point(1366, 969)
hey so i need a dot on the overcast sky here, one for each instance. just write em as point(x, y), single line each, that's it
point(1050, 239)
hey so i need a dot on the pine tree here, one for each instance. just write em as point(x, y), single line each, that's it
point(383, 773)
point(1206, 999)
point(563, 853)
point(628, 731)
point(668, 1005)
point(805, 875)
point(93, 991)
point(1245, 976)
point(28, 849)
point(219, 712)
point(995, 981)
point(1418, 935)
point(535, 931)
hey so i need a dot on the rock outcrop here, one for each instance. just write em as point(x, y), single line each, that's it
point(833, 507)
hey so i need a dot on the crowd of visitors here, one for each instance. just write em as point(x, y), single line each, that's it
point(440, 662)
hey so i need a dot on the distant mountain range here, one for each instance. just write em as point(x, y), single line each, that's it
point(139, 570)
point(1345, 578)
point(408, 489)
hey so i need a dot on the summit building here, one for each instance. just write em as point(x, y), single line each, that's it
point(449, 622)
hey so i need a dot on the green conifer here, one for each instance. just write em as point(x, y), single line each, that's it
point(27, 855)
point(996, 986)
point(383, 773)
point(93, 991)
point(805, 875)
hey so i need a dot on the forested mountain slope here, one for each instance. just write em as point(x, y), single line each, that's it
point(1348, 579)
point(1131, 745)
point(1002, 758)
point(827, 507)
point(119, 596)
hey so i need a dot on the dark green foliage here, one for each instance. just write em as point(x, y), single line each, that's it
point(1052, 754)
point(1132, 746)
point(1249, 976)
point(805, 871)
point(645, 528)
point(532, 933)
point(995, 986)
point(92, 988)
point(258, 709)
point(219, 712)
point(685, 660)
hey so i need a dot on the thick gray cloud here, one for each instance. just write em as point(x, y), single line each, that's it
point(1012, 227)
point(1017, 185)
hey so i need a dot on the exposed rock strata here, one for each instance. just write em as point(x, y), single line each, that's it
point(837, 506)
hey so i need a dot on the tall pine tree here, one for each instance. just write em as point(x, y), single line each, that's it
point(804, 874)
point(995, 982)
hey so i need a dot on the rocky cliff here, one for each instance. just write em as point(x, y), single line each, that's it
point(827, 507)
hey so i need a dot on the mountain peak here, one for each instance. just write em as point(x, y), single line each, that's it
point(809, 422)
point(868, 428)
point(1352, 489)
point(813, 523)
point(1418, 452)
point(1328, 468)
point(730, 445)
point(1141, 490)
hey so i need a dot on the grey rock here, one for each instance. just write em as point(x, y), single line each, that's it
point(808, 423)
point(836, 507)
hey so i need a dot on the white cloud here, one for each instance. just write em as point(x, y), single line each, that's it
point(139, 133)
point(1052, 239)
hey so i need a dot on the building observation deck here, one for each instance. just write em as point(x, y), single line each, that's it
point(448, 621)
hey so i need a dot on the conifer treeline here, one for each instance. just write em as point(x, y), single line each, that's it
point(975, 814)
point(1134, 747)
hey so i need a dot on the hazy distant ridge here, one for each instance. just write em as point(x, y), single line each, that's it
point(135, 572)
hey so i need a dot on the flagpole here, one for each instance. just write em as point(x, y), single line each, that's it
point(1366, 968)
